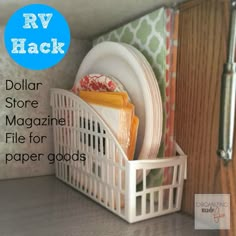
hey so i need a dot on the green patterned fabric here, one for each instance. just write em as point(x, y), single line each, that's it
point(148, 35)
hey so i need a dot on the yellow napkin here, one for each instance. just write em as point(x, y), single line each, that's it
point(118, 114)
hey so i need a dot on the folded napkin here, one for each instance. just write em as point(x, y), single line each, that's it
point(109, 99)
point(118, 114)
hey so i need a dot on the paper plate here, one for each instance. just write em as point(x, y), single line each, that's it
point(115, 59)
point(98, 82)
point(157, 101)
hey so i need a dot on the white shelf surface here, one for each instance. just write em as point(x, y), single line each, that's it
point(46, 206)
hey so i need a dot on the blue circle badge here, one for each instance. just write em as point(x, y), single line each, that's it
point(37, 36)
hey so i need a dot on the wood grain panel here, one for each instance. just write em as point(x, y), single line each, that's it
point(201, 55)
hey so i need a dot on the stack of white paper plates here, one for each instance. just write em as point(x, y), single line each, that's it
point(130, 67)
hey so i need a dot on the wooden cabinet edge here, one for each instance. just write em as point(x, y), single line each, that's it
point(194, 3)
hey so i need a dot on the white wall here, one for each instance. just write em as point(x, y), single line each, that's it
point(60, 76)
